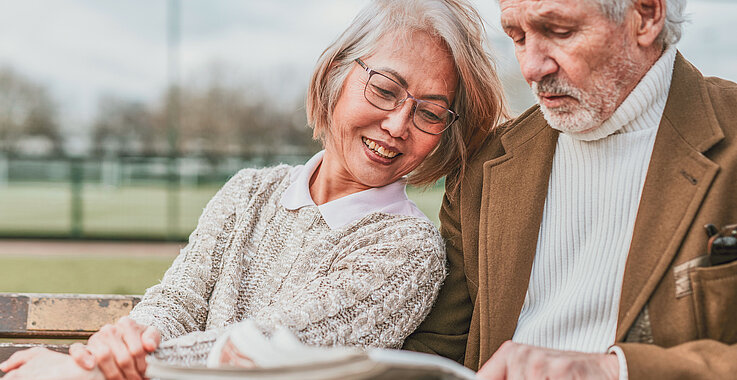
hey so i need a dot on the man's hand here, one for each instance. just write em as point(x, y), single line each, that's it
point(520, 361)
point(43, 364)
point(118, 350)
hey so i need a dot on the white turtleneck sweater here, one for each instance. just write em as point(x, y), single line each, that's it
point(594, 191)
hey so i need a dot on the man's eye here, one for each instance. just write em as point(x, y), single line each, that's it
point(517, 37)
point(560, 33)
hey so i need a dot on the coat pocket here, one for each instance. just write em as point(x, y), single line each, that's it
point(715, 301)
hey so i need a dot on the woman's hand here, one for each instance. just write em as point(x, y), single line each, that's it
point(43, 364)
point(230, 356)
point(118, 350)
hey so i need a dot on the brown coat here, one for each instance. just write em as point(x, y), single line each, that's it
point(491, 226)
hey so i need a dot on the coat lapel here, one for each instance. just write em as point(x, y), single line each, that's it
point(514, 190)
point(678, 178)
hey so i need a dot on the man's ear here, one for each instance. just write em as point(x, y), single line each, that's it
point(650, 18)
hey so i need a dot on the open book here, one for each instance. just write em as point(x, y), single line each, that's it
point(377, 364)
point(283, 356)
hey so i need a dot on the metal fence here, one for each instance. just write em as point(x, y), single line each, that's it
point(142, 198)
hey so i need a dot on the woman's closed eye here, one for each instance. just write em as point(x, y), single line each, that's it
point(429, 116)
point(383, 92)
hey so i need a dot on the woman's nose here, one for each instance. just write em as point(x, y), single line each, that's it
point(399, 120)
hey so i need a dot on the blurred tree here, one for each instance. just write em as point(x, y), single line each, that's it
point(125, 127)
point(218, 116)
point(28, 118)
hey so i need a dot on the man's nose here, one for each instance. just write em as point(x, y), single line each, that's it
point(399, 120)
point(536, 61)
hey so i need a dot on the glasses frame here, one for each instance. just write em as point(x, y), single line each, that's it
point(454, 116)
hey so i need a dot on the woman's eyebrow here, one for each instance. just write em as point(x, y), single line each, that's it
point(437, 97)
point(403, 82)
point(395, 74)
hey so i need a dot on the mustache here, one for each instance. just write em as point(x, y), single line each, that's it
point(555, 85)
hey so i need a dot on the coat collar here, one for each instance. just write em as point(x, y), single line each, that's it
point(514, 189)
point(678, 178)
point(513, 199)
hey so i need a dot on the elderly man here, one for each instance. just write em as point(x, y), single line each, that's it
point(577, 243)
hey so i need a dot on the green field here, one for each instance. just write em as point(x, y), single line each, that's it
point(130, 211)
point(63, 274)
point(124, 210)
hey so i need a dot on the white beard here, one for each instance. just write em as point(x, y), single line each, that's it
point(591, 110)
point(594, 105)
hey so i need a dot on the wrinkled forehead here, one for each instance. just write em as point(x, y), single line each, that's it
point(541, 11)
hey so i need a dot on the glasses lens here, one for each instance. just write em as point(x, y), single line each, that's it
point(431, 117)
point(383, 92)
point(387, 94)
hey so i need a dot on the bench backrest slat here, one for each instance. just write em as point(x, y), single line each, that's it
point(57, 316)
point(33, 315)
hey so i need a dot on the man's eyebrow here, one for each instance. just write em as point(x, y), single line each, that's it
point(550, 15)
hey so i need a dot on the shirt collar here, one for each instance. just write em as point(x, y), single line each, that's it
point(390, 199)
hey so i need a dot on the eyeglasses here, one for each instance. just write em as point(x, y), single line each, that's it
point(386, 94)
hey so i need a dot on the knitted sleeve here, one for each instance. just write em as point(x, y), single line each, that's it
point(379, 288)
point(179, 304)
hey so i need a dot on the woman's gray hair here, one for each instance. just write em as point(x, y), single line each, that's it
point(479, 98)
point(672, 30)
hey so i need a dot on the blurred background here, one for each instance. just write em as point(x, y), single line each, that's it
point(119, 120)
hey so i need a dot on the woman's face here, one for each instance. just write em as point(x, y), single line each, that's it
point(372, 147)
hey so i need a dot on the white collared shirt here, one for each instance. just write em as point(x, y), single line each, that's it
point(389, 199)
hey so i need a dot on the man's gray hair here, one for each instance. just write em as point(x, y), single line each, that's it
point(615, 10)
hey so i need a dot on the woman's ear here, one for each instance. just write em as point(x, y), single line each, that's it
point(650, 17)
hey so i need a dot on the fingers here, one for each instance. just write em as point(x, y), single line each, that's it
point(134, 347)
point(151, 338)
point(82, 357)
point(496, 367)
point(520, 361)
point(20, 358)
point(231, 356)
point(112, 356)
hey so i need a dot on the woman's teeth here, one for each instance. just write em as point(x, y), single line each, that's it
point(378, 149)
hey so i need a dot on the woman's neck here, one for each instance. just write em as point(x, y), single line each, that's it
point(331, 181)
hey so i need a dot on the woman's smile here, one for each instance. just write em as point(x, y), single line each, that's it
point(380, 152)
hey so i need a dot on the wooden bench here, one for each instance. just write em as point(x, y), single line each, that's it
point(56, 320)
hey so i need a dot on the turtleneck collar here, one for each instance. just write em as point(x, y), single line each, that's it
point(649, 96)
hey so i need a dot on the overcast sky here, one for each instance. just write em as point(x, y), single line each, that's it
point(82, 49)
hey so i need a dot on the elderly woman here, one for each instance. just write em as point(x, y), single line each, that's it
point(332, 250)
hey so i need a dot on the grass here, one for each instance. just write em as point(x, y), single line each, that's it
point(130, 211)
point(121, 211)
point(28, 209)
point(60, 274)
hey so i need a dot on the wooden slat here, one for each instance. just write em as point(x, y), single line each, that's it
point(7, 349)
point(30, 315)
point(13, 313)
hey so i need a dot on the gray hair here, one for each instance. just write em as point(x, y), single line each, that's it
point(615, 10)
point(479, 98)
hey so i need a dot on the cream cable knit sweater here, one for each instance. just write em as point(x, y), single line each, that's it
point(369, 283)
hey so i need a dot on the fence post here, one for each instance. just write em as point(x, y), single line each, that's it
point(3, 170)
point(76, 174)
point(172, 199)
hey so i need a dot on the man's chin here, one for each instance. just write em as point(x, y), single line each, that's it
point(569, 121)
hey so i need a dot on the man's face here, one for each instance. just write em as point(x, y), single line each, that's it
point(576, 60)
